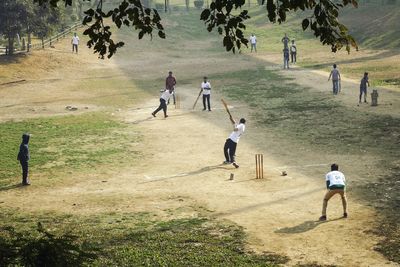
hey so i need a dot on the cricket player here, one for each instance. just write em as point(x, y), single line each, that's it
point(231, 142)
point(163, 103)
point(336, 184)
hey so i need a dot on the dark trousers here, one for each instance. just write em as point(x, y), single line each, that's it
point(25, 168)
point(75, 48)
point(230, 150)
point(163, 106)
point(293, 57)
point(206, 97)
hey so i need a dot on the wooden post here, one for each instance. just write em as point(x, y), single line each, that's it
point(43, 42)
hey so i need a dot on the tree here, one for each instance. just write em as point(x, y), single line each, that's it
point(226, 16)
point(13, 19)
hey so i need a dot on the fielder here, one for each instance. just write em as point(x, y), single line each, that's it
point(206, 87)
point(363, 87)
point(231, 142)
point(336, 184)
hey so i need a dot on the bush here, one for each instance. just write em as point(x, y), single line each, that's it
point(198, 3)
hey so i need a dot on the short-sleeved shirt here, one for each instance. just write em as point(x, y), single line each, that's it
point(363, 83)
point(170, 82)
point(336, 179)
point(206, 86)
point(235, 135)
point(75, 40)
point(166, 95)
point(335, 75)
point(253, 39)
point(293, 48)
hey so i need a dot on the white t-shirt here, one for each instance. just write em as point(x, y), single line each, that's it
point(335, 178)
point(75, 40)
point(206, 86)
point(235, 135)
point(253, 39)
point(166, 95)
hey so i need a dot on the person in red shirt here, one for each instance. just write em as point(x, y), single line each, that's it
point(170, 83)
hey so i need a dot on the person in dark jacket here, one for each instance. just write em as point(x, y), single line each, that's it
point(23, 157)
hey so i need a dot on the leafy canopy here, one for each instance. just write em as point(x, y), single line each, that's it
point(226, 16)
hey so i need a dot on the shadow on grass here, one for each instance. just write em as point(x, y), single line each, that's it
point(41, 248)
point(10, 187)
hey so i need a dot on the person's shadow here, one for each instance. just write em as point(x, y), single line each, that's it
point(303, 227)
point(9, 187)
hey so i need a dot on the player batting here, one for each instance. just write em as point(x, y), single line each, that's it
point(233, 139)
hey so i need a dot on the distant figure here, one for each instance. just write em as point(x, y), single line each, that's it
point(170, 83)
point(335, 75)
point(163, 103)
point(24, 157)
point(286, 58)
point(75, 43)
point(336, 184)
point(253, 42)
point(206, 87)
point(363, 87)
point(293, 52)
point(233, 139)
point(285, 41)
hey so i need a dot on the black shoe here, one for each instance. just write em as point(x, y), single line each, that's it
point(154, 115)
point(166, 116)
point(209, 110)
point(234, 164)
point(345, 215)
point(204, 109)
point(322, 218)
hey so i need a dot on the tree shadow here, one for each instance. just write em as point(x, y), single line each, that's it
point(303, 227)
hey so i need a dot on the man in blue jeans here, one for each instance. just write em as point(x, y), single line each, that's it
point(163, 103)
point(335, 75)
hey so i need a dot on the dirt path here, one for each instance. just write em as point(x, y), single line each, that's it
point(278, 212)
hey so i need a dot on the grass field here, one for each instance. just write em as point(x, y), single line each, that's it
point(67, 150)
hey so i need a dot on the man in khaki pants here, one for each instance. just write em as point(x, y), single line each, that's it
point(336, 184)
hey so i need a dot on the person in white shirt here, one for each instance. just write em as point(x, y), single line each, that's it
point(231, 142)
point(163, 103)
point(336, 184)
point(253, 42)
point(293, 52)
point(75, 43)
point(206, 87)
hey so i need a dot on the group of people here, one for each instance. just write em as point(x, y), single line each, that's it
point(336, 83)
point(289, 51)
point(205, 90)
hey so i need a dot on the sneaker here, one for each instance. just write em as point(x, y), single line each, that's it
point(234, 164)
point(345, 215)
point(154, 115)
point(166, 116)
point(322, 218)
point(226, 162)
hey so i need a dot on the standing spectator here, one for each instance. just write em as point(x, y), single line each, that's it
point(75, 43)
point(163, 103)
point(253, 42)
point(206, 87)
point(363, 87)
point(336, 184)
point(233, 139)
point(286, 58)
point(170, 83)
point(293, 52)
point(335, 75)
point(285, 41)
point(24, 157)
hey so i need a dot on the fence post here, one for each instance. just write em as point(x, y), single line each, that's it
point(42, 42)
point(6, 50)
point(50, 42)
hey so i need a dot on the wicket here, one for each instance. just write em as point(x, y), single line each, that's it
point(259, 166)
point(178, 101)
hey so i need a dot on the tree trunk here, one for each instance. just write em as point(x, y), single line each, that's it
point(11, 44)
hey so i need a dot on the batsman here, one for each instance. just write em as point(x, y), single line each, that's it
point(233, 139)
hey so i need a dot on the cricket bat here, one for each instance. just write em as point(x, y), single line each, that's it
point(197, 99)
point(226, 107)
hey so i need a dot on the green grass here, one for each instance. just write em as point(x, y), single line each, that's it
point(138, 240)
point(64, 143)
